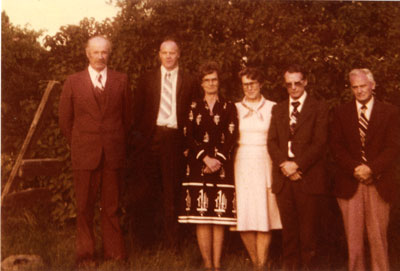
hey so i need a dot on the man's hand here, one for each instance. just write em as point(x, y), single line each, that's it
point(211, 163)
point(289, 168)
point(295, 177)
point(363, 173)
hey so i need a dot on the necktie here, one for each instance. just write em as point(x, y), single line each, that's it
point(166, 96)
point(293, 117)
point(100, 84)
point(363, 127)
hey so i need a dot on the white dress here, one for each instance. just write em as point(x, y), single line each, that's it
point(257, 209)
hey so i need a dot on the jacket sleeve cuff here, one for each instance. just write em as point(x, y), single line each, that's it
point(201, 154)
point(221, 157)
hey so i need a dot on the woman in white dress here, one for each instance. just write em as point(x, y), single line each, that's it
point(257, 211)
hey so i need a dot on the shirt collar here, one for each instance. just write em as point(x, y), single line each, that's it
point(174, 72)
point(368, 105)
point(93, 73)
point(301, 100)
point(257, 106)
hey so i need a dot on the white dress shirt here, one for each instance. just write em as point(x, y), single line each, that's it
point(369, 106)
point(95, 74)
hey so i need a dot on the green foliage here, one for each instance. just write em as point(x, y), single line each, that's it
point(328, 38)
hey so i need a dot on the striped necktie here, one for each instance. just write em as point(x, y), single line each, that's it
point(293, 117)
point(166, 96)
point(363, 127)
point(100, 84)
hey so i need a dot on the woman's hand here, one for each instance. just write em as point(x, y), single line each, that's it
point(212, 164)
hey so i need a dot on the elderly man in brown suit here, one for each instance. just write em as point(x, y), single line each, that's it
point(365, 142)
point(297, 145)
point(94, 116)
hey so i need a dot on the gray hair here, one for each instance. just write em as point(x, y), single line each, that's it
point(366, 72)
point(99, 37)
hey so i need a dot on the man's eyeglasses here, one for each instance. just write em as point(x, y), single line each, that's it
point(295, 84)
point(250, 84)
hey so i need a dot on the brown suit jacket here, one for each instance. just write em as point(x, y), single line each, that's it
point(382, 147)
point(308, 144)
point(92, 131)
point(147, 98)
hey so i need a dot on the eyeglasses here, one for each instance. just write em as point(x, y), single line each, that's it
point(295, 84)
point(250, 84)
point(209, 81)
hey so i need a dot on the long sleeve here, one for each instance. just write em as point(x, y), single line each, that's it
point(66, 111)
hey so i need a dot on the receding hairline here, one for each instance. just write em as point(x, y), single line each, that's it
point(169, 41)
point(99, 37)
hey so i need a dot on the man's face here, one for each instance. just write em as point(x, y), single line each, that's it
point(210, 83)
point(295, 84)
point(169, 54)
point(98, 52)
point(362, 87)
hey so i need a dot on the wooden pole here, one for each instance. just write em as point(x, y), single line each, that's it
point(28, 138)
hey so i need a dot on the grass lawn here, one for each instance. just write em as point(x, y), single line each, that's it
point(30, 231)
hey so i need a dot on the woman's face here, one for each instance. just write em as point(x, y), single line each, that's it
point(210, 83)
point(251, 89)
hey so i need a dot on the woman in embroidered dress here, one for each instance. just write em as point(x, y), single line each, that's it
point(208, 191)
point(257, 211)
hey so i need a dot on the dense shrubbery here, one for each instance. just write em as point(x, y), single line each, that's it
point(328, 38)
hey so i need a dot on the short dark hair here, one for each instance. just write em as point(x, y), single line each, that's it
point(294, 68)
point(208, 68)
point(253, 73)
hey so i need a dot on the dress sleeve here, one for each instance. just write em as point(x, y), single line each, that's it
point(196, 147)
point(229, 133)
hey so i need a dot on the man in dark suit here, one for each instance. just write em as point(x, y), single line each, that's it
point(94, 116)
point(296, 143)
point(365, 143)
point(161, 103)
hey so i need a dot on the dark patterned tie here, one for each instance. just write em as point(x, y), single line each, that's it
point(363, 127)
point(293, 117)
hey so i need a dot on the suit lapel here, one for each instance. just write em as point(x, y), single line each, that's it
point(156, 91)
point(352, 123)
point(179, 92)
point(305, 112)
point(377, 114)
point(283, 117)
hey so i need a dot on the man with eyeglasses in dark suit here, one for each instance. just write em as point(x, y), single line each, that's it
point(297, 144)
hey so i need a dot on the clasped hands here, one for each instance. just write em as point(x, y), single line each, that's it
point(212, 164)
point(363, 174)
point(291, 170)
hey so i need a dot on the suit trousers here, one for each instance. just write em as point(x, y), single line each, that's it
point(163, 168)
point(87, 184)
point(366, 210)
point(299, 214)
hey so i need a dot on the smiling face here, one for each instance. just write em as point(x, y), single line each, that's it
point(251, 89)
point(210, 83)
point(361, 87)
point(295, 84)
point(98, 51)
point(169, 54)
